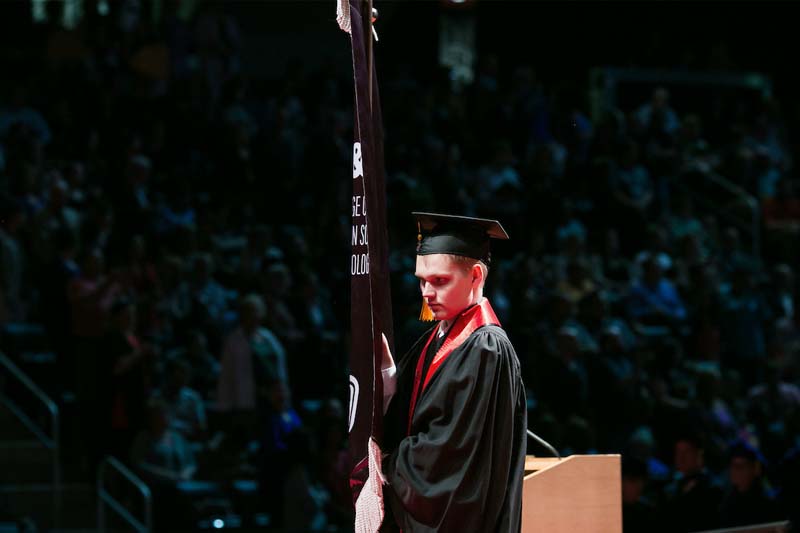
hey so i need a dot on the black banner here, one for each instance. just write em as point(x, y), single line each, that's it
point(371, 312)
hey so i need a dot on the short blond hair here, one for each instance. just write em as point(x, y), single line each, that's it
point(466, 264)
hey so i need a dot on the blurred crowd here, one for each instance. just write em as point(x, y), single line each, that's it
point(179, 234)
point(653, 316)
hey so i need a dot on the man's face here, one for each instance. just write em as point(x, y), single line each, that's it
point(251, 316)
point(743, 473)
point(446, 286)
point(632, 488)
point(688, 459)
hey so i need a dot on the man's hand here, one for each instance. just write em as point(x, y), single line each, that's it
point(388, 374)
point(386, 361)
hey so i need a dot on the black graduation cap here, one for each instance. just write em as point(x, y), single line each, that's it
point(457, 235)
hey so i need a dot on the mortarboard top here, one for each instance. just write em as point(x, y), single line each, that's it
point(457, 235)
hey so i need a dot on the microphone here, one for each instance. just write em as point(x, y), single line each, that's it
point(544, 443)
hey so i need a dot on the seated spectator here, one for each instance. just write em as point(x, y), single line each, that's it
point(160, 452)
point(633, 191)
point(164, 459)
point(661, 158)
point(692, 498)
point(577, 283)
point(175, 301)
point(683, 222)
point(642, 446)
point(656, 246)
point(747, 501)
point(560, 313)
point(500, 295)
point(316, 318)
point(700, 293)
point(569, 225)
point(91, 295)
point(11, 260)
point(732, 254)
point(594, 315)
point(781, 216)
point(789, 479)
point(185, 408)
point(615, 267)
point(766, 175)
point(277, 282)
point(204, 366)
point(128, 359)
point(744, 316)
point(139, 275)
point(97, 225)
point(653, 300)
point(278, 423)
point(638, 513)
point(55, 307)
point(570, 249)
point(252, 356)
point(578, 437)
point(304, 497)
point(658, 106)
point(710, 407)
point(315, 313)
point(689, 255)
point(332, 436)
point(774, 400)
point(781, 299)
point(499, 172)
point(209, 299)
point(18, 112)
point(563, 383)
point(57, 215)
point(253, 256)
point(782, 211)
point(692, 147)
point(615, 390)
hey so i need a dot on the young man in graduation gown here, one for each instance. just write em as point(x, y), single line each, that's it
point(455, 426)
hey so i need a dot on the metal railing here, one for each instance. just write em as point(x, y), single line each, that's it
point(751, 203)
point(104, 498)
point(743, 211)
point(772, 527)
point(51, 442)
point(604, 82)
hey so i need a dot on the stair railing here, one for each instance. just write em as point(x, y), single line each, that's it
point(51, 442)
point(105, 498)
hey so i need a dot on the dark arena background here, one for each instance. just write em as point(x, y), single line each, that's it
point(176, 173)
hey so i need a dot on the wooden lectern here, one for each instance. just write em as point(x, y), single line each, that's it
point(577, 494)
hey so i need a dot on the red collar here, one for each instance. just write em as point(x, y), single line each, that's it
point(480, 314)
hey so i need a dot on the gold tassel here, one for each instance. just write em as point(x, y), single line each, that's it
point(426, 315)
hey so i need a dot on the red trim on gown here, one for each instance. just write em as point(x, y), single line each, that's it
point(480, 314)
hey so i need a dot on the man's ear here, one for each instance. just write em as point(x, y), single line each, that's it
point(477, 273)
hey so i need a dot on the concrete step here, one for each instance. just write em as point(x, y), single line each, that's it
point(11, 428)
point(41, 367)
point(36, 502)
point(25, 462)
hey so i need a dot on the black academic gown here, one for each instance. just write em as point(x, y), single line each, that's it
point(460, 468)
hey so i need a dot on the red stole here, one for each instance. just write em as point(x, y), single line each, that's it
point(473, 318)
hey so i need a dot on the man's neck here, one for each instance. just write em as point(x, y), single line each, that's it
point(444, 325)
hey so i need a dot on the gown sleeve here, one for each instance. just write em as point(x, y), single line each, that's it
point(440, 477)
